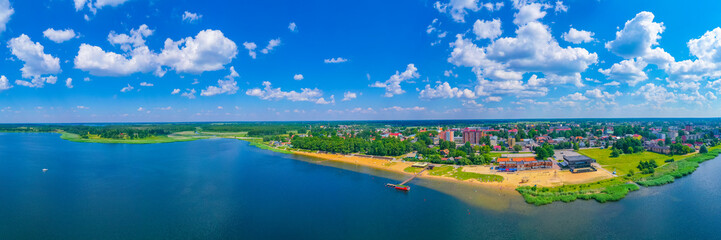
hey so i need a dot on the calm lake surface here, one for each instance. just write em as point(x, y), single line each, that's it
point(226, 189)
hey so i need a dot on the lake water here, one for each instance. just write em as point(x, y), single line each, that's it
point(226, 189)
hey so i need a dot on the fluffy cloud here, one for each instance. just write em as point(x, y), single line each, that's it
point(534, 49)
point(146, 84)
point(271, 44)
point(347, 96)
point(574, 97)
point(250, 46)
point(655, 95)
point(94, 5)
point(708, 63)
point(598, 94)
point(175, 91)
point(227, 86)
point(444, 90)
point(559, 7)
point(459, 8)
point(707, 47)
point(292, 27)
point(630, 71)
point(335, 60)
point(37, 82)
point(191, 17)
point(5, 12)
point(487, 29)
point(4, 83)
point(637, 36)
point(36, 61)
point(393, 84)
point(59, 36)
point(69, 83)
point(298, 77)
point(97, 62)
point(189, 93)
point(210, 50)
point(577, 36)
point(270, 93)
point(529, 13)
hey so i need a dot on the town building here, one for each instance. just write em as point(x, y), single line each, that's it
point(446, 135)
point(522, 163)
point(653, 147)
point(578, 163)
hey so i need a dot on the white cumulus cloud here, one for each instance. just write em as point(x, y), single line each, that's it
point(444, 90)
point(347, 96)
point(209, 50)
point(577, 36)
point(191, 17)
point(487, 29)
point(4, 83)
point(227, 86)
point(6, 11)
point(32, 53)
point(59, 36)
point(269, 93)
point(393, 84)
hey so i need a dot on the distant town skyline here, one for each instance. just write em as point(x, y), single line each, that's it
point(183, 61)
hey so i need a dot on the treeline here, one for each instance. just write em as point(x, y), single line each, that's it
point(544, 152)
point(628, 145)
point(254, 129)
point(117, 132)
point(462, 155)
point(335, 144)
point(680, 149)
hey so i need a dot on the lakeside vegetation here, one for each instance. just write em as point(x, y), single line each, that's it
point(670, 172)
point(613, 189)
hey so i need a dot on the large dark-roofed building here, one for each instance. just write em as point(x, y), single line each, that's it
point(576, 162)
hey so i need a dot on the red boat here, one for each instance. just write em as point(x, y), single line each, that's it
point(403, 188)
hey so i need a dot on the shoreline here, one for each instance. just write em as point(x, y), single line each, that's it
point(540, 177)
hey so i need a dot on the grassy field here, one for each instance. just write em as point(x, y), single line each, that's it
point(623, 163)
point(461, 175)
point(149, 140)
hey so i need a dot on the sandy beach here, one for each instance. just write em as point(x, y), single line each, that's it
point(539, 177)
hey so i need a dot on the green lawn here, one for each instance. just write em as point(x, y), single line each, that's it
point(412, 169)
point(440, 171)
point(461, 175)
point(623, 163)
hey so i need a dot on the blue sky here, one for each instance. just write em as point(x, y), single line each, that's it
point(162, 60)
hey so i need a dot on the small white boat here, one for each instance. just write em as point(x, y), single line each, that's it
point(45, 170)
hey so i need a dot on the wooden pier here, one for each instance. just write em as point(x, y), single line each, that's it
point(402, 185)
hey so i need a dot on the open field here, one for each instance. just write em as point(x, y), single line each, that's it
point(624, 163)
